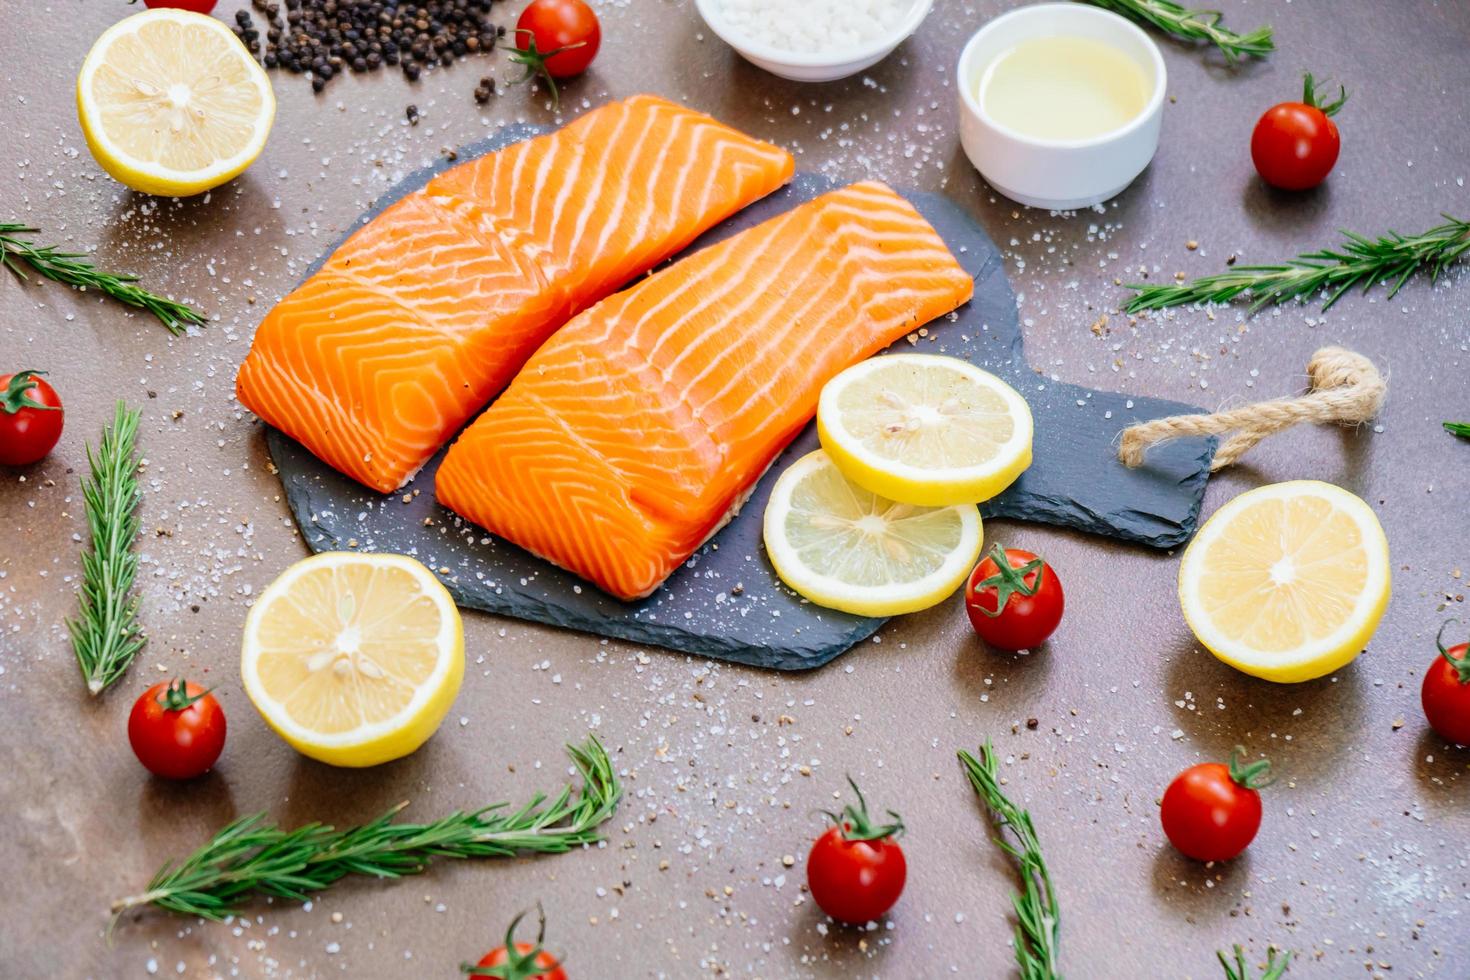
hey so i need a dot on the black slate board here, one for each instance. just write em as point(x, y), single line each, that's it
point(726, 602)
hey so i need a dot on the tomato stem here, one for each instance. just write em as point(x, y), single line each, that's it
point(535, 61)
point(1007, 581)
point(176, 696)
point(1460, 663)
point(16, 395)
point(1250, 775)
point(1311, 98)
point(856, 824)
point(1240, 969)
point(517, 965)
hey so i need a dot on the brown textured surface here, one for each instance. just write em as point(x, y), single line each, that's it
point(1360, 864)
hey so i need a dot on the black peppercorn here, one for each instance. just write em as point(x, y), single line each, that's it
point(328, 37)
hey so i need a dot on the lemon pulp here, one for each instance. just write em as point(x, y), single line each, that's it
point(352, 658)
point(847, 548)
point(172, 103)
point(925, 429)
point(1288, 581)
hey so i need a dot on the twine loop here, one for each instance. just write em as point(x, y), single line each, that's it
point(1344, 387)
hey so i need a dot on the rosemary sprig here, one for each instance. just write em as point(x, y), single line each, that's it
point(252, 857)
point(1240, 969)
point(106, 635)
point(72, 269)
point(1037, 915)
point(1391, 258)
point(1461, 429)
point(1187, 24)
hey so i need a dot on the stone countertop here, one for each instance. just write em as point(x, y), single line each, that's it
point(1358, 866)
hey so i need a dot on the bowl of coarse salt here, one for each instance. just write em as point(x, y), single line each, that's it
point(831, 39)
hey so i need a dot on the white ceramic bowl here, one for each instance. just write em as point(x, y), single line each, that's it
point(801, 66)
point(1058, 174)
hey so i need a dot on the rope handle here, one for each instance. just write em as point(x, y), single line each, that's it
point(1344, 387)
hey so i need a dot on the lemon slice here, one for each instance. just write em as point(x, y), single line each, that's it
point(1288, 581)
point(847, 548)
point(925, 429)
point(171, 103)
point(354, 659)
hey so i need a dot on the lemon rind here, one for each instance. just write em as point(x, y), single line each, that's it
point(1318, 657)
point(876, 601)
point(147, 177)
point(928, 487)
point(379, 741)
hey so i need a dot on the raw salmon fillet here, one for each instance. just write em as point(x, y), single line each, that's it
point(426, 312)
point(641, 426)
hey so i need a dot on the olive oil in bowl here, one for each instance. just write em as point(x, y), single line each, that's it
point(1064, 87)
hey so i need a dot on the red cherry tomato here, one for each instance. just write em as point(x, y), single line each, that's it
point(1017, 609)
point(177, 729)
point(519, 961)
point(30, 418)
point(1295, 144)
point(1211, 812)
point(856, 870)
point(1446, 692)
point(558, 38)
point(198, 6)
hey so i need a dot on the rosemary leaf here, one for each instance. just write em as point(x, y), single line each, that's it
point(252, 857)
point(73, 269)
point(1389, 259)
point(1196, 26)
point(1461, 429)
point(1240, 969)
point(1036, 907)
point(106, 635)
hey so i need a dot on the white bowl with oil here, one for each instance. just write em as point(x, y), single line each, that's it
point(815, 66)
point(1060, 104)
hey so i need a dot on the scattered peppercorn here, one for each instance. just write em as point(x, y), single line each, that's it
point(328, 37)
point(412, 112)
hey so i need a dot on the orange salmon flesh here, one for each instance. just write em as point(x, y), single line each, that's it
point(429, 310)
point(635, 432)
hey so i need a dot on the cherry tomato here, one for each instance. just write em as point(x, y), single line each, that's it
point(519, 961)
point(1018, 608)
point(1295, 144)
point(1446, 692)
point(557, 38)
point(856, 869)
point(198, 6)
point(30, 418)
point(177, 729)
point(1211, 811)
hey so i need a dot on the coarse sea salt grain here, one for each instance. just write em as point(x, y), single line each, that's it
point(824, 25)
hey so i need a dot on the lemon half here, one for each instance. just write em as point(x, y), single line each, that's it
point(354, 659)
point(925, 429)
point(1288, 581)
point(171, 103)
point(847, 548)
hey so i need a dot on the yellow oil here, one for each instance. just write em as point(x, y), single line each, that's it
point(1064, 88)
